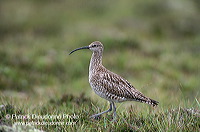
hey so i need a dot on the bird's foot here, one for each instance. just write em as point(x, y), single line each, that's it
point(95, 117)
point(114, 117)
point(114, 120)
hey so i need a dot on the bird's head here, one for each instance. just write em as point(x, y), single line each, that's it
point(94, 46)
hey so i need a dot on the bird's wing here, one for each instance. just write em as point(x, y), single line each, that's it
point(117, 87)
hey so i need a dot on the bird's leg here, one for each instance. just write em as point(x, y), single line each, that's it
point(114, 112)
point(97, 115)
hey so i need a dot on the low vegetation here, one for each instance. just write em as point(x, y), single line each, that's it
point(155, 45)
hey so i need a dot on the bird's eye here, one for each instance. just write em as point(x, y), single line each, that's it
point(94, 45)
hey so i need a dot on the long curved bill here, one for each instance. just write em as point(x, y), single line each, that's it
point(85, 47)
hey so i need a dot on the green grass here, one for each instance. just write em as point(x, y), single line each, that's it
point(154, 45)
point(131, 119)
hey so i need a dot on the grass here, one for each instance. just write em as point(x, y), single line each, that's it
point(154, 45)
point(180, 119)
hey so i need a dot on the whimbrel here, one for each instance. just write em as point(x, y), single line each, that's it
point(109, 85)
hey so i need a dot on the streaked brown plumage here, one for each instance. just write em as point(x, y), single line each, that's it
point(109, 85)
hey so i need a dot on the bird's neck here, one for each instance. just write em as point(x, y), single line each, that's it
point(95, 62)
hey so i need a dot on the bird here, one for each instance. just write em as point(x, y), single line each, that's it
point(109, 85)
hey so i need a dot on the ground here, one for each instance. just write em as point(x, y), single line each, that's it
point(154, 45)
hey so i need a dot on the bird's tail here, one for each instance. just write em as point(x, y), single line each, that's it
point(141, 98)
point(152, 102)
